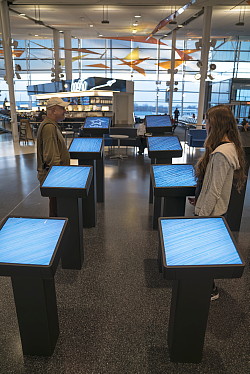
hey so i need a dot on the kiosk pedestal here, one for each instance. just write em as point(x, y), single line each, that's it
point(161, 150)
point(171, 183)
point(193, 252)
point(30, 252)
point(90, 151)
point(71, 185)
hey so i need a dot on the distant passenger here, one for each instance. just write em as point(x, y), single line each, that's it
point(245, 125)
point(41, 115)
point(141, 130)
point(176, 115)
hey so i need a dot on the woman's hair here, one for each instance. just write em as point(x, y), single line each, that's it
point(221, 124)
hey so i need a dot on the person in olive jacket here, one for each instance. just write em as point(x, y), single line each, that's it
point(51, 147)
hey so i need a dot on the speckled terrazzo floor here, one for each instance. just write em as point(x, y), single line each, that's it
point(114, 312)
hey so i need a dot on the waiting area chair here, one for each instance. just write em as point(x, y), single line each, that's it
point(25, 131)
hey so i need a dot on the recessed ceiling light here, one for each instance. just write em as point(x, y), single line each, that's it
point(100, 35)
point(134, 31)
point(60, 31)
point(135, 24)
point(22, 14)
point(36, 35)
point(91, 25)
point(189, 39)
point(138, 16)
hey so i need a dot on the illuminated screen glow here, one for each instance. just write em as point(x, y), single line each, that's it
point(67, 177)
point(97, 122)
point(158, 121)
point(198, 241)
point(86, 145)
point(29, 241)
point(164, 143)
point(174, 175)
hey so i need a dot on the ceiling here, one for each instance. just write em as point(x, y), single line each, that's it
point(42, 16)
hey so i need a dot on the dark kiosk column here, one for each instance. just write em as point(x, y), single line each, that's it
point(171, 183)
point(73, 188)
point(161, 150)
point(90, 151)
point(156, 124)
point(193, 252)
point(30, 249)
point(236, 203)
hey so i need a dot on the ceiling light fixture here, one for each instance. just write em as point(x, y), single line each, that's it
point(22, 14)
point(134, 31)
point(197, 76)
point(60, 31)
point(138, 16)
point(105, 20)
point(135, 24)
point(241, 18)
point(91, 25)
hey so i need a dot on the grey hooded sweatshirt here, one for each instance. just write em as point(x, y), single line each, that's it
point(217, 184)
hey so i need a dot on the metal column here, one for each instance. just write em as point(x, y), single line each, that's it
point(56, 40)
point(171, 87)
point(4, 10)
point(204, 61)
point(68, 54)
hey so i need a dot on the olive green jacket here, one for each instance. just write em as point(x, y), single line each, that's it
point(51, 148)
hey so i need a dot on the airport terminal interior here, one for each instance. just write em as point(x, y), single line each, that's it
point(114, 313)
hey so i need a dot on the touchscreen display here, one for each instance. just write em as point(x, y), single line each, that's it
point(174, 175)
point(67, 177)
point(164, 143)
point(158, 121)
point(29, 240)
point(198, 241)
point(86, 145)
point(97, 122)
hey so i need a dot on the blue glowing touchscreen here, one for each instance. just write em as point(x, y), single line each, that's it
point(174, 175)
point(86, 145)
point(29, 240)
point(198, 241)
point(67, 177)
point(158, 121)
point(164, 143)
point(97, 122)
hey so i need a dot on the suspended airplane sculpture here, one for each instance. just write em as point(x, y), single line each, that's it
point(62, 60)
point(102, 66)
point(15, 52)
point(136, 38)
point(184, 57)
point(171, 17)
point(133, 60)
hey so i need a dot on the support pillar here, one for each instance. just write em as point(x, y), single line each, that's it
point(4, 11)
point(204, 61)
point(171, 87)
point(56, 41)
point(68, 54)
